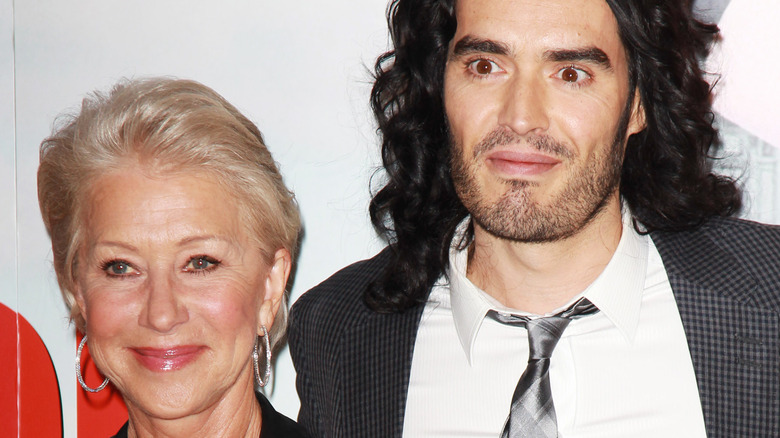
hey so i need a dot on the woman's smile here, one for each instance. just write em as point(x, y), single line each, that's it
point(167, 359)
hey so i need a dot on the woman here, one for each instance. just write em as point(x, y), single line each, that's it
point(172, 234)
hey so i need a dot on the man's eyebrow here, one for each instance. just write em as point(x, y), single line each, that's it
point(469, 44)
point(587, 54)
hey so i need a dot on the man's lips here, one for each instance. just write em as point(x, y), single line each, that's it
point(517, 163)
point(167, 359)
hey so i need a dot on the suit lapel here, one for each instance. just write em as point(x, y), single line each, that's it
point(732, 335)
point(376, 373)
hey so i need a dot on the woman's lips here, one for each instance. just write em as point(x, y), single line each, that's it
point(514, 163)
point(167, 359)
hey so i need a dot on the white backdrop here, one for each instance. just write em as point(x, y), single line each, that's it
point(299, 69)
point(296, 68)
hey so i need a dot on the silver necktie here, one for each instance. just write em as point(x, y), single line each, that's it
point(532, 414)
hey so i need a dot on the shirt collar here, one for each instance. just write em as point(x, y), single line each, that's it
point(617, 292)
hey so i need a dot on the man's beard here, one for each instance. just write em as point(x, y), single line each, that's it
point(516, 215)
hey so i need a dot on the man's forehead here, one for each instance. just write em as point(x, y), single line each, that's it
point(536, 18)
point(517, 26)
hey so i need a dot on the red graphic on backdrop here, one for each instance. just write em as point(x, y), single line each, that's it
point(30, 400)
point(30, 394)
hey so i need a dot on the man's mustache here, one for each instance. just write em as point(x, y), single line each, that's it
point(541, 143)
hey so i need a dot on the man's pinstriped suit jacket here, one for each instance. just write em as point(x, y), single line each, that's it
point(353, 364)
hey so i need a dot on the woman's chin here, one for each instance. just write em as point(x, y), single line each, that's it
point(175, 394)
point(169, 402)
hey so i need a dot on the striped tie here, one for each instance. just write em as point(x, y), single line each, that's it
point(532, 414)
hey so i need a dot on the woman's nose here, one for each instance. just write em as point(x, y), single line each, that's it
point(163, 309)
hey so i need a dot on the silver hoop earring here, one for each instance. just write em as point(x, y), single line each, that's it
point(78, 370)
point(256, 359)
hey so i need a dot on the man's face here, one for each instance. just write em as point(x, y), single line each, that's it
point(536, 96)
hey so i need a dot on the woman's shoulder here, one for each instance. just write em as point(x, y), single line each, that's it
point(276, 425)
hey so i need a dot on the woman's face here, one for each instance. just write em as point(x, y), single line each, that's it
point(174, 291)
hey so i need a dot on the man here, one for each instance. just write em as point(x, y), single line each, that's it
point(547, 167)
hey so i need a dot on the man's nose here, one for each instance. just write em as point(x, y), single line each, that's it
point(525, 107)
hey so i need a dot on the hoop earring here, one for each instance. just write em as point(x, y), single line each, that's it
point(256, 358)
point(78, 370)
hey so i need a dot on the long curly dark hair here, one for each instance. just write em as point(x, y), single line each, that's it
point(667, 179)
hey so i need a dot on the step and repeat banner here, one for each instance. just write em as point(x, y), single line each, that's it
point(301, 71)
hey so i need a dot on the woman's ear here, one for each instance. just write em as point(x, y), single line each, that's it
point(78, 309)
point(275, 284)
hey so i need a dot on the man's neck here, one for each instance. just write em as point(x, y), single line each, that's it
point(541, 277)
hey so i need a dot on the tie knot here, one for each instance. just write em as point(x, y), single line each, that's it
point(544, 334)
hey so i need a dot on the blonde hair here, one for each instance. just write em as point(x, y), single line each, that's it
point(166, 125)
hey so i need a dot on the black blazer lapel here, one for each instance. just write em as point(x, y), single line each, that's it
point(732, 331)
point(376, 370)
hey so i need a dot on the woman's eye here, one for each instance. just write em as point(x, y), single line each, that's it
point(118, 268)
point(572, 74)
point(484, 67)
point(201, 263)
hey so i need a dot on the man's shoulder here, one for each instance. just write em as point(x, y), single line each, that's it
point(739, 225)
point(721, 247)
point(753, 243)
point(342, 293)
point(740, 237)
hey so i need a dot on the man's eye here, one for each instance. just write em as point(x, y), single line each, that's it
point(484, 67)
point(118, 268)
point(572, 74)
point(201, 263)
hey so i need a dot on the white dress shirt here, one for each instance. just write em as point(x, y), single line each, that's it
point(624, 372)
